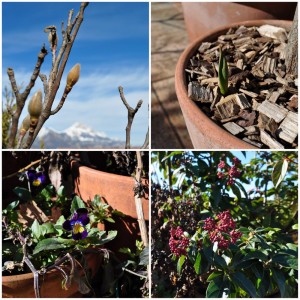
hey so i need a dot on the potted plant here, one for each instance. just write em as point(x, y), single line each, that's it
point(61, 246)
point(206, 133)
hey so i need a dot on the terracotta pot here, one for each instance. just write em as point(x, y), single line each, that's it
point(204, 133)
point(114, 189)
point(117, 191)
point(201, 17)
point(21, 286)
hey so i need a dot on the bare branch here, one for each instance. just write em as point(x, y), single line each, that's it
point(21, 97)
point(58, 69)
point(131, 114)
point(138, 200)
point(146, 142)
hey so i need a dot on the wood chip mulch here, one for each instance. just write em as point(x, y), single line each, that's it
point(261, 106)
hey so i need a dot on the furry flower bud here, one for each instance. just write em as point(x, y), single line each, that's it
point(35, 105)
point(25, 125)
point(73, 77)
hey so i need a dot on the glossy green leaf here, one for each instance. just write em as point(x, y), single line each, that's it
point(244, 283)
point(236, 191)
point(180, 263)
point(220, 262)
point(279, 172)
point(280, 280)
point(214, 275)
point(197, 264)
point(216, 196)
point(256, 254)
point(287, 261)
point(218, 288)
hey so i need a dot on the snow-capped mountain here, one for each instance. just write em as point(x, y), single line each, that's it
point(75, 137)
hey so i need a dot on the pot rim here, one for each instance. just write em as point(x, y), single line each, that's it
point(192, 111)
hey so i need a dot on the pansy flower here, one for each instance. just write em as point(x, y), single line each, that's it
point(36, 178)
point(77, 224)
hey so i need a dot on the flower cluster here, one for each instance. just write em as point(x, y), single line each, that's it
point(223, 230)
point(77, 222)
point(178, 242)
point(232, 172)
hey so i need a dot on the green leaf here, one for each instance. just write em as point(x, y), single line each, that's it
point(223, 74)
point(61, 191)
point(171, 154)
point(287, 261)
point(36, 229)
point(256, 254)
point(217, 288)
point(197, 264)
point(244, 283)
point(220, 262)
point(97, 200)
point(279, 172)
point(180, 263)
point(77, 203)
point(295, 227)
point(101, 238)
point(214, 275)
point(22, 193)
point(236, 191)
point(12, 205)
point(280, 280)
point(47, 192)
point(47, 228)
point(242, 188)
point(144, 257)
point(110, 220)
point(216, 196)
point(52, 244)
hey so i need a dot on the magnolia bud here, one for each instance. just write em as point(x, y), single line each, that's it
point(73, 77)
point(25, 125)
point(35, 105)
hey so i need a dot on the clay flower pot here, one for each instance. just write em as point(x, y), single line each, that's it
point(21, 286)
point(200, 17)
point(117, 191)
point(204, 133)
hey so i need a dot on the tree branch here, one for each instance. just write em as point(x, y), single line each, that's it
point(131, 114)
point(21, 97)
point(138, 200)
point(58, 69)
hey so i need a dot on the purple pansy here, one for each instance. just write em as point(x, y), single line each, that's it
point(36, 178)
point(79, 219)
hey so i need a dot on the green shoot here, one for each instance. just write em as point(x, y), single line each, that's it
point(223, 74)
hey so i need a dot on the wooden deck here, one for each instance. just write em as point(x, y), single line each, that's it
point(168, 40)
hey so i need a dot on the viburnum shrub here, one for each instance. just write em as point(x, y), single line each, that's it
point(231, 241)
point(236, 261)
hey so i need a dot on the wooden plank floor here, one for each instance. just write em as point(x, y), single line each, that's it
point(168, 40)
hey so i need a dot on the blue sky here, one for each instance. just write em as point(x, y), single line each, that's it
point(112, 47)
